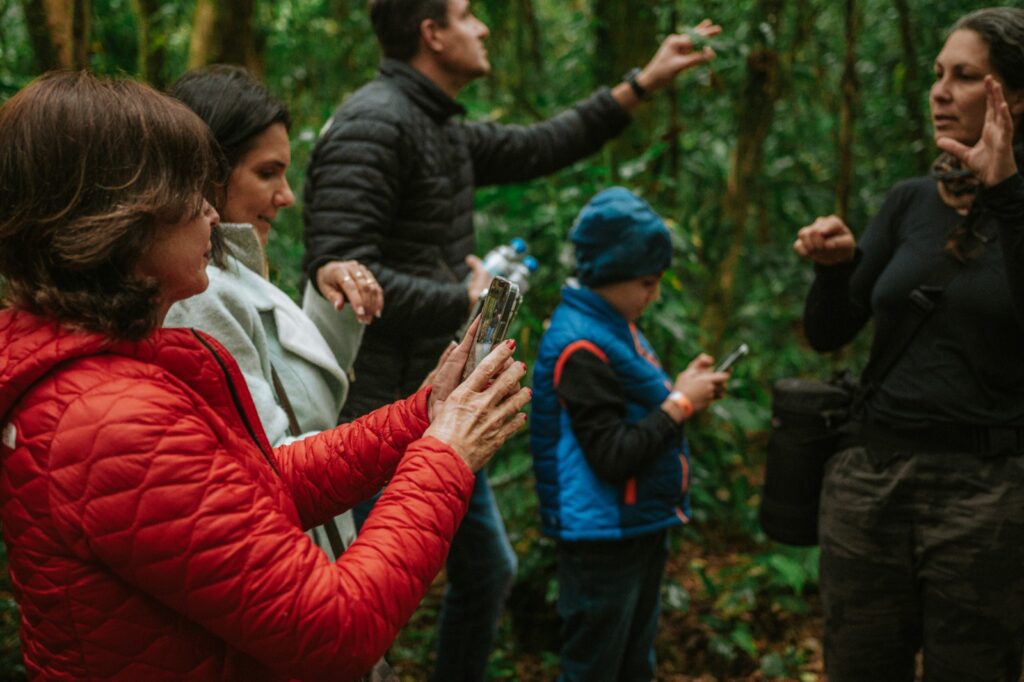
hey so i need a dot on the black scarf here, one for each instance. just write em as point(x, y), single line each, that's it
point(957, 180)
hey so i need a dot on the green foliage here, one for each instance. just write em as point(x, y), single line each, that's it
point(745, 607)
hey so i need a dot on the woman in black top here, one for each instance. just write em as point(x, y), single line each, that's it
point(922, 522)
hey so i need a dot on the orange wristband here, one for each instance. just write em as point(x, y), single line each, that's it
point(682, 402)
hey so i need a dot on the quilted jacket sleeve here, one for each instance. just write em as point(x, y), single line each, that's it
point(336, 469)
point(205, 531)
point(352, 189)
point(508, 153)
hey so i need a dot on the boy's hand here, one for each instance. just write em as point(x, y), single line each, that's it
point(699, 384)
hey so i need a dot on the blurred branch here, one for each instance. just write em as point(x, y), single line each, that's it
point(912, 84)
point(849, 87)
point(59, 32)
point(222, 33)
point(152, 42)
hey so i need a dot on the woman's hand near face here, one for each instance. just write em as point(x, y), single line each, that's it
point(483, 411)
point(826, 241)
point(991, 158)
point(350, 280)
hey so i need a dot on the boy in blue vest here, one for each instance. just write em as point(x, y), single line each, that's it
point(606, 432)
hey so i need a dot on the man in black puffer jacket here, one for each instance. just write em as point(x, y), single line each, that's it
point(390, 184)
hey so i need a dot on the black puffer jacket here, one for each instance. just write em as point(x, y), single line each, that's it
point(390, 183)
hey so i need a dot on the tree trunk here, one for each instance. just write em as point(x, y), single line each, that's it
point(912, 87)
point(222, 33)
point(59, 31)
point(515, 46)
point(766, 83)
point(675, 125)
point(849, 88)
point(152, 43)
point(626, 35)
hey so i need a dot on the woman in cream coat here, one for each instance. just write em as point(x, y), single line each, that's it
point(298, 379)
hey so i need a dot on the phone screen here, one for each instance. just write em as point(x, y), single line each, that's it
point(732, 358)
point(500, 304)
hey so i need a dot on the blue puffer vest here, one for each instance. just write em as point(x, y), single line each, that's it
point(575, 504)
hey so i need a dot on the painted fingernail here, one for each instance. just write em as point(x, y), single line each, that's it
point(511, 343)
point(524, 365)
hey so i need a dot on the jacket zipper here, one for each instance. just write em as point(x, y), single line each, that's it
point(238, 402)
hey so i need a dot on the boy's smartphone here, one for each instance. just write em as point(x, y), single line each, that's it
point(732, 358)
point(500, 303)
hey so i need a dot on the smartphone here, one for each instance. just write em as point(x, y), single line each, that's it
point(499, 306)
point(732, 358)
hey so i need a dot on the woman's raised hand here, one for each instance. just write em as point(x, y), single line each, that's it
point(482, 412)
point(349, 280)
point(826, 241)
point(991, 158)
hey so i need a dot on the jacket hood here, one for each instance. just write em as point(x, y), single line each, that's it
point(31, 346)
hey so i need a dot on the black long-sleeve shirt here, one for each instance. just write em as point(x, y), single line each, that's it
point(966, 364)
point(592, 395)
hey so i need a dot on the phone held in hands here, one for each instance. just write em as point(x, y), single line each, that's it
point(737, 354)
point(498, 306)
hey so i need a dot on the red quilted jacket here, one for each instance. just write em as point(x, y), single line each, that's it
point(153, 533)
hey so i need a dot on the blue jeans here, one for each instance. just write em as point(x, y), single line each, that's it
point(481, 567)
point(609, 598)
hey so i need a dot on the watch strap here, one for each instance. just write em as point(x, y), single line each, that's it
point(638, 90)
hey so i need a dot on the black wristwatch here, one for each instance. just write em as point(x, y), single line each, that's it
point(638, 90)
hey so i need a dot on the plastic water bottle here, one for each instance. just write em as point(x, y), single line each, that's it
point(500, 260)
point(521, 271)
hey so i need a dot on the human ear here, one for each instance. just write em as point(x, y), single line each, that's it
point(429, 36)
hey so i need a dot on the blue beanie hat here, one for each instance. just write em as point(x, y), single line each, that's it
point(618, 236)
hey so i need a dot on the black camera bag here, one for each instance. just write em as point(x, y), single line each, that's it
point(807, 415)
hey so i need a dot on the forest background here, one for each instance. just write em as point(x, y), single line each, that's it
point(812, 107)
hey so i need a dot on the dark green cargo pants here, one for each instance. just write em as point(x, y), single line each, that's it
point(922, 551)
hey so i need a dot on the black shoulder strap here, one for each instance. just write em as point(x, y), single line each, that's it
point(330, 528)
point(924, 299)
point(286, 405)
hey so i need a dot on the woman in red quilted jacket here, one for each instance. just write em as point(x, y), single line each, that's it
point(152, 531)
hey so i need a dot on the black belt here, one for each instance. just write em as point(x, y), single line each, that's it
point(946, 437)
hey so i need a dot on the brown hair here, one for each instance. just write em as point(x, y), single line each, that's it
point(396, 24)
point(90, 169)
